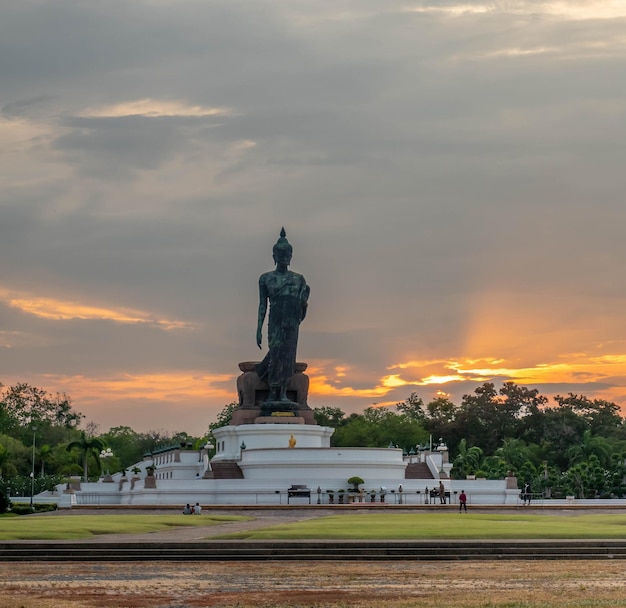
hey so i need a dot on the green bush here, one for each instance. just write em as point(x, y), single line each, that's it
point(356, 481)
point(24, 508)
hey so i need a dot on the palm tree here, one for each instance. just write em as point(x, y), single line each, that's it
point(467, 460)
point(515, 453)
point(591, 445)
point(44, 455)
point(87, 446)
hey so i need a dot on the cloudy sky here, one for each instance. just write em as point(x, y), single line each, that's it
point(451, 177)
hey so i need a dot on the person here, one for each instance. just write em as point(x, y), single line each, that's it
point(526, 493)
point(442, 493)
point(288, 295)
point(187, 510)
point(462, 501)
point(197, 510)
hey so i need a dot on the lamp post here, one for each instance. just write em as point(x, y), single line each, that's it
point(205, 455)
point(105, 455)
point(32, 473)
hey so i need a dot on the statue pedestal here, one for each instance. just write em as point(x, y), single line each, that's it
point(279, 420)
point(253, 393)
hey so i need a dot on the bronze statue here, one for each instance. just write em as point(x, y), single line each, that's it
point(288, 294)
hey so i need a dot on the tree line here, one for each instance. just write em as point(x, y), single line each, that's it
point(41, 433)
point(573, 445)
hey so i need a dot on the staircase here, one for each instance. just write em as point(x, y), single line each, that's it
point(226, 469)
point(417, 470)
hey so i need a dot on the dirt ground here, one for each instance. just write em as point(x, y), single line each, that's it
point(313, 584)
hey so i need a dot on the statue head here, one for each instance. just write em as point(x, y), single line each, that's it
point(283, 250)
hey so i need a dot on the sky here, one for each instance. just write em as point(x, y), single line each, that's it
point(450, 176)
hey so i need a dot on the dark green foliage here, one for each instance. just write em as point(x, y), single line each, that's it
point(23, 406)
point(224, 417)
point(4, 496)
point(24, 509)
point(378, 427)
point(575, 446)
point(329, 416)
point(89, 449)
point(412, 407)
point(440, 420)
point(355, 481)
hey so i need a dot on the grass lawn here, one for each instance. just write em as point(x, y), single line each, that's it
point(85, 526)
point(443, 525)
point(383, 525)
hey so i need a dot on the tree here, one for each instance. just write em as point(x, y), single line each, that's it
point(412, 407)
point(521, 401)
point(4, 498)
point(601, 416)
point(516, 452)
point(88, 446)
point(467, 461)
point(483, 418)
point(125, 443)
point(493, 467)
point(440, 420)
point(44, 453)
point(224, 417)
point(23, 405)
point(16, 459)
point(379, 427)
point(588, 479)
point(4, 458)
point(589, 446)
point(557, 429)
point(329, 416)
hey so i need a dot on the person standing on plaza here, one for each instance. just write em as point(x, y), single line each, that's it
point(526, 494)
point(462, 501)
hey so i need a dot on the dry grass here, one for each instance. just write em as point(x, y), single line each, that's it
point(519, 584)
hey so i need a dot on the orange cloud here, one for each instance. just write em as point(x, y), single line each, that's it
point(323, 384)
point(172, 387)
point(568, 368)
point(573, 369)
point(64, 310)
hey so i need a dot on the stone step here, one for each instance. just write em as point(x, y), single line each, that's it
point(226, 469)
point(417, 470)
point(312, 550)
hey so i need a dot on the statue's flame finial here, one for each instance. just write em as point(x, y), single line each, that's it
point(282, 241)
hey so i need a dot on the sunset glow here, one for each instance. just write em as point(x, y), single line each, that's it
point(60, 310)
point(449, 174)
point(171, 387)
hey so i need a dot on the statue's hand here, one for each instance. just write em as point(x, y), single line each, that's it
point(259, 338)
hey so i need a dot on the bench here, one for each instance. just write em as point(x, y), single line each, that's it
point(434, 495)
point(298, 491)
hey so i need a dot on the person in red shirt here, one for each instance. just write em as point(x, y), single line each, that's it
point(462, 501)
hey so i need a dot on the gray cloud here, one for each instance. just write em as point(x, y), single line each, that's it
point(426, 164)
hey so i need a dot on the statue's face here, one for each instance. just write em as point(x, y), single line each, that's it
point(282, 255)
